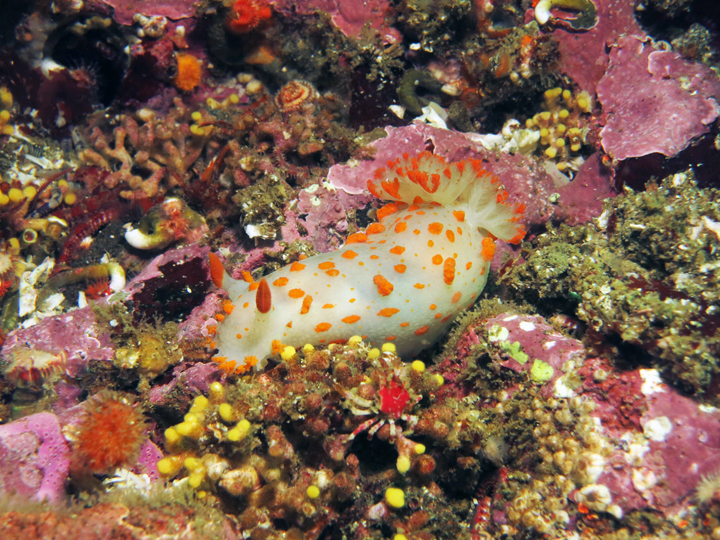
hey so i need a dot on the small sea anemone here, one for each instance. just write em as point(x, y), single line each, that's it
point(189, 72)
point(246, 15)
point(109, 435)
point(708, 489)
point(294, 95)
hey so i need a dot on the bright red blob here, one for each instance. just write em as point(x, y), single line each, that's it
point(393, 399)
point(246, 15)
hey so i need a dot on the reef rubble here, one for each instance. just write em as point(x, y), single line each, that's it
point(169, 168)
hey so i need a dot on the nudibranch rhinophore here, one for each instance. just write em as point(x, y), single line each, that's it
point(403, 280)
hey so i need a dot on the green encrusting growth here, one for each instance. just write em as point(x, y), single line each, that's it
point(647, 270)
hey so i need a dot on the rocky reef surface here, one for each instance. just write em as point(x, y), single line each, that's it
point(150, 151)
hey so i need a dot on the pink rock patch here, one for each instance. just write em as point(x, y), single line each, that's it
point(125, 10)
point(655, 101)
point(34, 458)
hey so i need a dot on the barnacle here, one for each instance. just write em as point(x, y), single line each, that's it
point(294, 95)
point(33, 365)
point(584, 20)
point(166, 223)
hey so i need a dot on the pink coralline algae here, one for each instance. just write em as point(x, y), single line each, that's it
point(325, 212)
point(670, 441)
point(125, 10)
point(75, 334)
point(584, 59)
point(655, 100)
point(34, 458)
point(149, 455)
point(349, 16)
point(187, 382)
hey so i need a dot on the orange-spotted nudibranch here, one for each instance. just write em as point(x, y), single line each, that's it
point(403, 280)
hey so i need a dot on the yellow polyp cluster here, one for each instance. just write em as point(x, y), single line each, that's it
point(6, 103)
point(373, 353)
point(196, 471)
point(196, 128)
point(16, 195)
point(193, 424)
point(240, 431)
point(232, 99)
point(562, 133)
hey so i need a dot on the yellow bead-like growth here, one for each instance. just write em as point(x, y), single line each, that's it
point(6, 98)
point(307, 348)
point(170, 466)
point(196, 478)
point(226, 412)
point(196, 116)
point(584, 103)
point(192, 429)
point(288, 353)
point(313, 492)
point(419, 449)
point(4, 199)
point(373, 354)
point(15, 195)
point(239, 432)
point(395, 497)
point(200, 403)
point(217, 392)
point(389, 347)
point(403, 464)
point(439, 379)
point(70, 198)
point(355, 340)
point(418, 365)
point(172, 437)
point(192, 463)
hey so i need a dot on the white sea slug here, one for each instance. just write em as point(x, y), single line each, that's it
point(403, 280)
